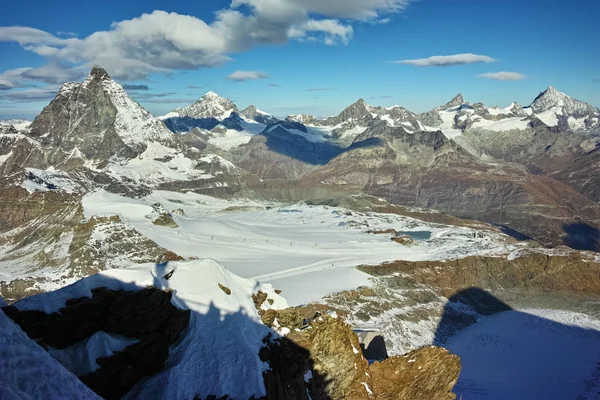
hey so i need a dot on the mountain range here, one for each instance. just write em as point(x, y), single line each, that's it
point(532, 170)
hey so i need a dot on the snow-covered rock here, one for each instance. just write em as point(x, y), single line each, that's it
point(221, 345)
point(211, 105)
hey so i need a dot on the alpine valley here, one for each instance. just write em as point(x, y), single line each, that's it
point(178, 254)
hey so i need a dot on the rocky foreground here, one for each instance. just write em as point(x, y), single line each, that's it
point(195, 332)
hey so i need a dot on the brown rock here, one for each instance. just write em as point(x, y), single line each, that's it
point(428, 373)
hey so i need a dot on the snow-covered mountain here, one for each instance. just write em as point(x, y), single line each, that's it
point(551, 108)
point(254, 114)
point(211, 105)
point(206, 113)
point(18, 124)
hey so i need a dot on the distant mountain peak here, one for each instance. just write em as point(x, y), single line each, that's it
point(456, 101)
point(253, 113)
point(211, 105)
point(250, 108)
point(211, 95)
point(552, 97)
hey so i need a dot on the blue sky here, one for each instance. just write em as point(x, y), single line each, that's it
point(318, 56)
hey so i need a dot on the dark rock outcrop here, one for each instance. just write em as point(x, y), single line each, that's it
point(146, 315)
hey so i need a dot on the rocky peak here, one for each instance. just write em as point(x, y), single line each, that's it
point(253, 113)
point(98, 73)
point(457, 101)
point(551, 97)
point(360, 103)
point(250, 109)
point(356, 110)
point(211, 95)
point(211, 105)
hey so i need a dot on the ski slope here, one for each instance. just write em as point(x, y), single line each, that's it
point(306, 251)
point(534, 354)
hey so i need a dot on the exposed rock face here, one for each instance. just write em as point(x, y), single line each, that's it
point(94, 120)
point(534, 271)
point(147, 315)
point(277, 154)
point(428, 373)
point(338, 370)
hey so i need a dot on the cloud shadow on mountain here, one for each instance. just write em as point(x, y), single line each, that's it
point(513, 233)
point(314, 153)
point(581, 236)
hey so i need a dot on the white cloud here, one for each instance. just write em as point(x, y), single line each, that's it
point(160, 42)
point(331, 28)
point(356, 9)
point(12, 78)
point(241, 76)
point(53, 73)
point(503, 76)
point(447, 61)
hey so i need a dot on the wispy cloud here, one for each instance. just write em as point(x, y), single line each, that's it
point(66, 34)
point(320, 89)
point(135, 87)
point(147, 96)
point(241, 76)
point(597, 80)
point(194, 87)
point(382, 21)
point(447, 61)
point(503, 76)
point(170, 101)
point(31, 95)
point(274, 85)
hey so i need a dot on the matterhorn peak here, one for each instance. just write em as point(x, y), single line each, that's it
point(98, 73)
